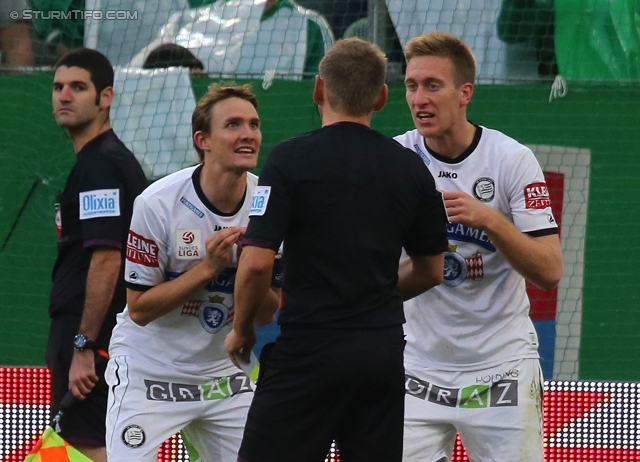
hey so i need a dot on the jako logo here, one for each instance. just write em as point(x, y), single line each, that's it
point(188, 237)
point(452, 175)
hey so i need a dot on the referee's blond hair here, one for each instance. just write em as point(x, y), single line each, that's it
point(354, 73)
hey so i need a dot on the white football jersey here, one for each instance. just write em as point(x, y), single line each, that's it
point(479, 315)
point(172, 220)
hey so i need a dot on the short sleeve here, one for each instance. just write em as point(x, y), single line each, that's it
point(146, 255)
point(529, 196)
point(428, 235)
point(271, 206)
point(102, 196)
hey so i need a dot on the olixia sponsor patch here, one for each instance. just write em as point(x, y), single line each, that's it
point(99, 203)
point(536, 196)
point(259, 201)
point(142, 250)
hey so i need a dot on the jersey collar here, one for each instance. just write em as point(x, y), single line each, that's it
point(467, 152)
point(195, 179)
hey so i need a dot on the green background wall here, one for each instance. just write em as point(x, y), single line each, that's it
point(604, 119)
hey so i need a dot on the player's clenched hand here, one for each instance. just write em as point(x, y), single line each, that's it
point(219, 247)
point(82, 374)
point(462, 208)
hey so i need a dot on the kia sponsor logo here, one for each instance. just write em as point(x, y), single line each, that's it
point(536, 196)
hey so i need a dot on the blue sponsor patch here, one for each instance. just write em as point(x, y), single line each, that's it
point(99, 203)
point(425, 158)
point(260, 201)
point(460, 232)
point(171, 275)
point(192, 207)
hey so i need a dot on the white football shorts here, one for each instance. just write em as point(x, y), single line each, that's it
point(148, 404)
point(497, 411)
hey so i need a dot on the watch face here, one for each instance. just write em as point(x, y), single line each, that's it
point(80, 341)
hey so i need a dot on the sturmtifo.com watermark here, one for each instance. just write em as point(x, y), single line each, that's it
point(74, 14)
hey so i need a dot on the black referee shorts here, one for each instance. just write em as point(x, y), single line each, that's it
point(83, 422)
point(317, 385)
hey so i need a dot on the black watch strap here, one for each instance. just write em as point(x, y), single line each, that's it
point(81, 343)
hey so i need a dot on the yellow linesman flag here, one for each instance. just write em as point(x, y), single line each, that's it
point(52, 448)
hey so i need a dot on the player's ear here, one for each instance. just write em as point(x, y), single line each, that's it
point(382, 99)
point(201, 141)
point(466, 92)
point(318, 91)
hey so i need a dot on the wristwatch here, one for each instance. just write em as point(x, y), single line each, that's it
point(81, 343)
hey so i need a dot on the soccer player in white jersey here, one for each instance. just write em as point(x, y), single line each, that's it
point(169, 369)
point(471, 358)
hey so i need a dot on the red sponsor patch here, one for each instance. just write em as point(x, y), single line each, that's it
point(142, 250)
point(536, 196)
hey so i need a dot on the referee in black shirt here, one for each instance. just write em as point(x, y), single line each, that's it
point(93, 214)
point(345, 200)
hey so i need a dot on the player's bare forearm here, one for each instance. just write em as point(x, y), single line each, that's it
point(156, 302)
point(419, 274)
point(165, 297)
point(539, 259)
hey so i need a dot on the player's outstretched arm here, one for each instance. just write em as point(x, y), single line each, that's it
point(147, 306)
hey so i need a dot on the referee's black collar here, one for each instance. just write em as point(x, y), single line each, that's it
point(97, 139)
point(467, 152)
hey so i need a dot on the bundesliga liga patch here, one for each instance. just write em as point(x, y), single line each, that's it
point(189, 244)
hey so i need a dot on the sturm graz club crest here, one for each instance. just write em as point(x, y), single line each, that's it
point(484, 189)
point(133, 436)
point(213, 316)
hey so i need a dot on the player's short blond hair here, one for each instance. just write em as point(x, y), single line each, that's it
point(354, 73)
point(201, 118)
point(445, 45)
